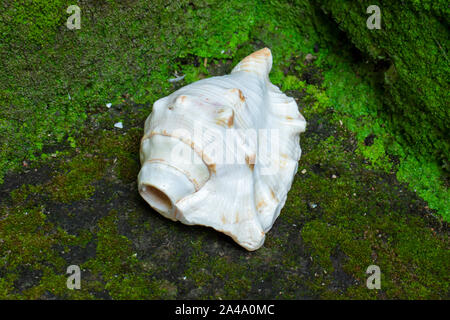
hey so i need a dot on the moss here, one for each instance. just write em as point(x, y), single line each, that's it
point(25, 194)
point(410, 40)
point(33, 21)
point(207, 271)
point(427, 181)
point(28, 248)
point(25, 239)
point(358, 107)
point(369, 226)
point(114, 251)
point(124, 149)
point(412, 260)
point(74, 182)
point(75, 176)
point(123, 275)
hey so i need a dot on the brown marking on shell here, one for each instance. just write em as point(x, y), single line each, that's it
point(261, 204)
point(223, 219)
point(289, 118)
point(284, 155)
point(230, 120)
point(156, 160)
point(250, 160)
point(225, 122)
point(181, 99)
point(220, 122)
point(236, 219)
point(212, 168)
point(239, 93)
point(241, 96)
point(274, 196)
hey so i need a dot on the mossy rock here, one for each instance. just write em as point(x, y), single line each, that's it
point(413, 44)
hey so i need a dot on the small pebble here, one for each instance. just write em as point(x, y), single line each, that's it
point(333, 176)
point(313, 205)
point(178, 78)
point(108, 105)
point(310, 58)
point(118, 125)
point(303, 171)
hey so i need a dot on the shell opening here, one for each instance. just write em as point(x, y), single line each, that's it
point(162, 185)
point(157, 199)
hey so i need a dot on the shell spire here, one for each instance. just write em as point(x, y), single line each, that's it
point(222, 152)
point(259, 62)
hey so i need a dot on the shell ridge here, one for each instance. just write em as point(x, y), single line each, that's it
point(194, 208)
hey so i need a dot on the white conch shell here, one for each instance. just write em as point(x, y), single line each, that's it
point(184, 176)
